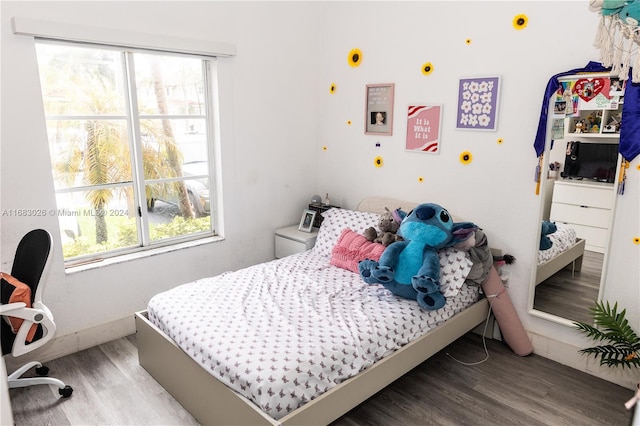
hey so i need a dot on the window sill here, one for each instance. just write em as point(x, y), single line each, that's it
point(100, 263)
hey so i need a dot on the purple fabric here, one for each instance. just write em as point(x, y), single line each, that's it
point(630, 126)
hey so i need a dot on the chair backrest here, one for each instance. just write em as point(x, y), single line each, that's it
point(31, 258)
point(29, 263)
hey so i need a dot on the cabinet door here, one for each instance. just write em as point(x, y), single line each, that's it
point(595, 238)
point(583, 195)
point(582, 215)
point(286, 247)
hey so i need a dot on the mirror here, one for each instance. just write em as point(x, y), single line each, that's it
point(578, 195)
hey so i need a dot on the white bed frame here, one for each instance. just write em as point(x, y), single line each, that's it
point(213, 403)
point(572, 256)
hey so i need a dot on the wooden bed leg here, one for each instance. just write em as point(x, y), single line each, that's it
point(577, 264)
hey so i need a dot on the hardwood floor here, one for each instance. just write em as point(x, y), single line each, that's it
point(110, 388)
point(570, 295)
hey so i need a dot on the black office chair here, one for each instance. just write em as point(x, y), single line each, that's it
point(28, 265)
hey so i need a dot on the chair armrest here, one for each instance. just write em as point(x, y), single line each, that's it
point(19, 310)
point(8, 307)
point(40, 314)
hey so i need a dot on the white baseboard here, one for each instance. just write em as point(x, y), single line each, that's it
point(76, 342)
point(566, 354)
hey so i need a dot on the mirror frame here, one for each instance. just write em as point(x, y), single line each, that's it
point(544, 166)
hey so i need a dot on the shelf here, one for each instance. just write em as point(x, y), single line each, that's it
point(595, 123)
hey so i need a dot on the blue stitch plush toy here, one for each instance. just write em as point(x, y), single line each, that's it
point(546, 229)
point(411, 268)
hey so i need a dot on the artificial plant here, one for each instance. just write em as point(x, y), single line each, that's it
point(611, 326)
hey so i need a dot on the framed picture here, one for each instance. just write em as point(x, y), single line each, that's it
point(423, 128)
point(378, 119)
point(478, 103)
point(306, 221)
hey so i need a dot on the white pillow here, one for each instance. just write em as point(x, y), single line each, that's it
point(455, 265)
point(335, 221)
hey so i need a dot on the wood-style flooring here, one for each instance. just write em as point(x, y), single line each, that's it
point(110, 388)
point(570, 295)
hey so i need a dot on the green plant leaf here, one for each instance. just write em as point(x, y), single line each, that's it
point(611, 326)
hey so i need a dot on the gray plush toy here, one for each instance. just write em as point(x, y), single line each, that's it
point(389, 223)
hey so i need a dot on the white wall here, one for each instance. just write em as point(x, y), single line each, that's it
point(496, 190)
point(282, 115)
point(268, 123)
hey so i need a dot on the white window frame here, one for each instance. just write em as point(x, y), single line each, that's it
point(205, 49)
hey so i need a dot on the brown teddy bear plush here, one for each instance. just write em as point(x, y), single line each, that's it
point(388, 225)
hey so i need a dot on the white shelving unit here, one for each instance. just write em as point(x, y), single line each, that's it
point(586, 207)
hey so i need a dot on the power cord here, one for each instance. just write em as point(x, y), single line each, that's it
point(492, 298)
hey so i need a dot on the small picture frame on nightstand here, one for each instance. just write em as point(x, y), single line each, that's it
point(306, 221)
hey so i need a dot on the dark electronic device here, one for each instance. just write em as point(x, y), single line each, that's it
point(591, 161)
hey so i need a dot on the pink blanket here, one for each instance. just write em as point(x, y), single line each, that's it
point(351, 248)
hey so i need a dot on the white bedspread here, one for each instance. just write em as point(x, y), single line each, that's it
point(283, 332)
point(562, 239)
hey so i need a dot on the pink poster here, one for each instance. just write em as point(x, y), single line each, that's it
point(423, 128)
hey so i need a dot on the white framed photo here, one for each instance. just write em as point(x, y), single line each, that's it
point(306, 221)
point(378, 117)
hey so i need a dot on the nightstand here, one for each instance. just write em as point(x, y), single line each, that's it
point(290, 241)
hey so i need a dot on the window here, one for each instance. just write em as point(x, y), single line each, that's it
point(130, 139)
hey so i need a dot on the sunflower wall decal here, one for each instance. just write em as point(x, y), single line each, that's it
point(636, 240)
point(520, 21)
point(378, 161)
point(355, 57)
point(466, 157)
point(333, 88)
point(427, 68)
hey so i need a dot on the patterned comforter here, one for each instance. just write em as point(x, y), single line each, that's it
point(283, 332)
point(563, 239)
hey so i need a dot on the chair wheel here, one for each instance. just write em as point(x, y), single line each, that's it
point(42, 370)
point(66, 391)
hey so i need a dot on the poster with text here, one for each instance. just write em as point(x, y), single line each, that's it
point(423, 128)
point(478, 103)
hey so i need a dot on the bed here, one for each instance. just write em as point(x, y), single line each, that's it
point(566, 250)
point(313, 342)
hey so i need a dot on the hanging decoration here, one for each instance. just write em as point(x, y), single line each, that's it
point(538, 174)
point(618, 36)
point(622, 179)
